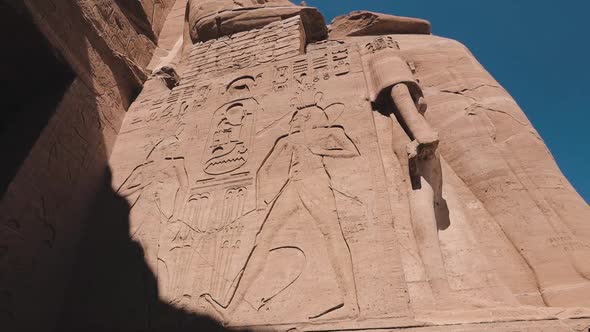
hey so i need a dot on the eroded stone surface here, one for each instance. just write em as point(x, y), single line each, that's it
point(214, 19)
point(363, 23)
point(43, 210)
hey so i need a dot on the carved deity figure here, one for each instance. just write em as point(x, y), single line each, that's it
point(157, 191)
point(292, 180)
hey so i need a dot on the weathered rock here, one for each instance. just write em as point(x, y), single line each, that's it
point(147, 16)
point(199, 9)
point(44, 208)
point(363, 23)
point(210, 20)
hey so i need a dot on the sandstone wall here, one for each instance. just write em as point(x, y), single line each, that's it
point(45, 206)
point(147, 16)
point(493, 150)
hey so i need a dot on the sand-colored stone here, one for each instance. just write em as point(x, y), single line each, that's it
point(147, 16)
point(214, 19)
point(365, 23)
point(271, 177)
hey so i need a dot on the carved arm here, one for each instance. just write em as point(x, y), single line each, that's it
point(420, 130)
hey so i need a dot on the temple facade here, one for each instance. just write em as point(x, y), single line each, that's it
point(194, 165)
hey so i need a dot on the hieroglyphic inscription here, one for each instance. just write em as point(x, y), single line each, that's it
point(300, 69)
point(568, 243)
point(326, 61)
point(381, 43)
point(321, 64)
point(202, 92)
point(164, 107)
point(276, 41)
point(280, 78)
point(340, 60)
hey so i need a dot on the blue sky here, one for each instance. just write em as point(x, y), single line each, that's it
point(539, 50)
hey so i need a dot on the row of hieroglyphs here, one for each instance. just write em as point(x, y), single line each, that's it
point(381, 43)
point(275, 42)
point(327, 60)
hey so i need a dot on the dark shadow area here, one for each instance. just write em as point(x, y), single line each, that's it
point(34, 79)
point(113, 289)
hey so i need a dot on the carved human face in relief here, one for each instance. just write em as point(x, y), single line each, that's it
point(297, 123)
point(307, 118)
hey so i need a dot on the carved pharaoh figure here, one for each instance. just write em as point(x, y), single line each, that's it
point(305, 188)
point(158, 191)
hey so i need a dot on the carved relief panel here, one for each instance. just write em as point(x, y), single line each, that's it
point(270, 200)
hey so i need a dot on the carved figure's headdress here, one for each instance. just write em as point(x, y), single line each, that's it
point(307, 95)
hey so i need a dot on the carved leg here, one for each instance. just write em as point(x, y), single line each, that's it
point(429, 213)
point(426, 233)
point(257, 259)
point(426, 192)
point(321, 205)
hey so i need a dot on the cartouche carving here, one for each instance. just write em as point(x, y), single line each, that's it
point(231, 133)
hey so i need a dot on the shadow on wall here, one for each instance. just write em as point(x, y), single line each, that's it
point(112, 288)
point(34, 80)
point(58, 166)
